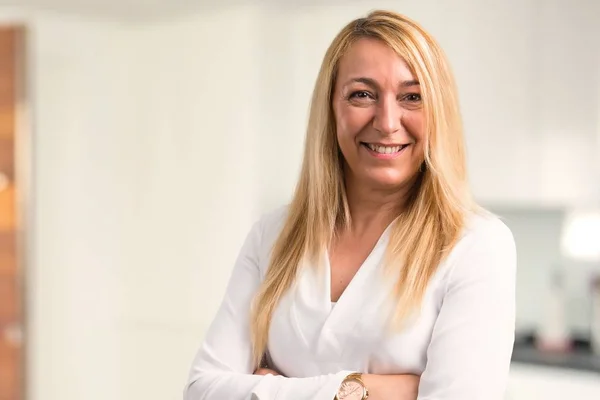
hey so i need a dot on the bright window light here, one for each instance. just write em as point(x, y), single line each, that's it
point(581, 236)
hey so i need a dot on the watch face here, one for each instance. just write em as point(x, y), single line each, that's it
point(351, 390)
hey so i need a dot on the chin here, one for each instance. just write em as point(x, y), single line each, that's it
point(388, 181)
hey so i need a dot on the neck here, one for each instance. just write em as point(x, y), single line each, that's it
point(374, 208)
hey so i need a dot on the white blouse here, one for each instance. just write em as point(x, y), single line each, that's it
point(460, 343)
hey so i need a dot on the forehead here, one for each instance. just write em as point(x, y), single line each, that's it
point(372, 58)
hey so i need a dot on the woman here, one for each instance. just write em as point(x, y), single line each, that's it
point(382, 279)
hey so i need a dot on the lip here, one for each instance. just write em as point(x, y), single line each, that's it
point(386, 156)
point(386, 144)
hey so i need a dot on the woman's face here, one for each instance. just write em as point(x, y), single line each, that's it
point(379, 116)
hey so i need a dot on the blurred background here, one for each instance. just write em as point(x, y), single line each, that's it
point(139, 139)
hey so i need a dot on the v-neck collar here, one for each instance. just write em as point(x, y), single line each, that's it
point(324, 328)
point(373, 254)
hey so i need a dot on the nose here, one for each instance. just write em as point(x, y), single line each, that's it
point(388, 115)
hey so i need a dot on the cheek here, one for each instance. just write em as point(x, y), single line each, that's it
point(414, 123)
point(345, 126)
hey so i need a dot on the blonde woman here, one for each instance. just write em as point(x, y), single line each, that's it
point(382, 278)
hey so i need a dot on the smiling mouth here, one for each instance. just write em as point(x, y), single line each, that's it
point(385, 149)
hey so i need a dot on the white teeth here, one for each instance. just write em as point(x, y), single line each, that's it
point(384, 149)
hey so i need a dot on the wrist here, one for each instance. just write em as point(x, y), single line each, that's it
point(353, 387)
point(384, 387)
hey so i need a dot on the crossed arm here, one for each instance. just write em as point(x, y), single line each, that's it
point(381, 387)
point(467, 359)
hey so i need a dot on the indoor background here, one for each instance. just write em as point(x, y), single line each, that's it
point(153, 133)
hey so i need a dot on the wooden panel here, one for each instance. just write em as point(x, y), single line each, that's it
point(10, 366)
point(8, 310)
point(7, 208)
point(8, 252)
point(11, 356)
point(7, 158)
point(7, 121)
point(7, 81)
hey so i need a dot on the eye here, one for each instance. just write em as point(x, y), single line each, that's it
point(361, 95)
point(413, 97)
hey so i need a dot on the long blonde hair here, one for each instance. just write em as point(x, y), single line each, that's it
point(433, 219)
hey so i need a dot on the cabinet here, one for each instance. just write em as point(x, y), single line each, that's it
point(531, 382)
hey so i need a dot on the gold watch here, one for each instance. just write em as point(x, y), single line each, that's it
point(352, 388)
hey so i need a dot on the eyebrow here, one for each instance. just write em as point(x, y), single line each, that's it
point(371, 82)
point(410, 83)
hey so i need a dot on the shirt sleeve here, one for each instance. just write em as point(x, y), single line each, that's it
point(469, 354)
point(222, 368)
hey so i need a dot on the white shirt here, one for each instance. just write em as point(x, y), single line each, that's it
point(460, 342)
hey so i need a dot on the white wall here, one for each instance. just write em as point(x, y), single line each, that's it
point(528, 90)
point(78, 92)
point(158, 144)
point(78, 71)
point(144, 190)
point(195, 192)
point(568, 77)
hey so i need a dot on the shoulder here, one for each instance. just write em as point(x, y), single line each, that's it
point(270, 223)
point(486, 227)
point(486, 248)
point(266, 230)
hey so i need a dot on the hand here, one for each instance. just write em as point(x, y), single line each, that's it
point(388, 387)
point(265, 371)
